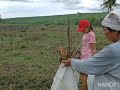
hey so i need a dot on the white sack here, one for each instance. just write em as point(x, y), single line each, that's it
point(65, 79)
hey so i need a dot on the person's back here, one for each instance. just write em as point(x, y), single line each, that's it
point(87, 40)
point(115, 59)
point(111, 79)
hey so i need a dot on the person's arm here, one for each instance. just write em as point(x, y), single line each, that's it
point(92, 41)
point(93, 48)
point(98, 64)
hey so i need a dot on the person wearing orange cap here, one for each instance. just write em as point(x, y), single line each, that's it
point(88, 47)
point(88, 40)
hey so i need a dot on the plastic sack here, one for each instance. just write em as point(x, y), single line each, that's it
point(65, 79)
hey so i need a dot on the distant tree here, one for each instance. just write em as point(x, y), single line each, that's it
point(78, 13)
point(109, 4)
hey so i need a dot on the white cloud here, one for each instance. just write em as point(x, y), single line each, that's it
point(4, 5)
point(18, 0)
point(27, 8)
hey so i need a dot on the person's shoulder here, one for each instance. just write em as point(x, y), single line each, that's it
point(115, 45)
point(114, 48)
point(92, 33)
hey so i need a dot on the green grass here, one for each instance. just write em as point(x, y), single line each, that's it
point(94, 18)
point(29, 56)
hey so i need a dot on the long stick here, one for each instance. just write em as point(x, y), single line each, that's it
point(68, 35)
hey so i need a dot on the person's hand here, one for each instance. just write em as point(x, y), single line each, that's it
point(67, 62)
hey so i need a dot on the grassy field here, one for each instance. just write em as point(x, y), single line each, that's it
point(29, 56)
point(94, 18)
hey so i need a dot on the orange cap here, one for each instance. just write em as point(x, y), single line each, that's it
point(83, 24)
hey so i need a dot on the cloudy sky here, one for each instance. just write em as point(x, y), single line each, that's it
point(28, 8)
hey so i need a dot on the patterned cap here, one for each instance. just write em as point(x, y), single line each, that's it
point(112, 20)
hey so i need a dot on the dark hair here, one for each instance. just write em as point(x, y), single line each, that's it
point(90, 27)
point(112, 30)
